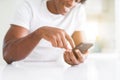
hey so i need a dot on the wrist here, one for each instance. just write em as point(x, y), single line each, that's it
point(38, 33)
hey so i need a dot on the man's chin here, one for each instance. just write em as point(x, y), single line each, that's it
point(67, 9)
point(63, 14)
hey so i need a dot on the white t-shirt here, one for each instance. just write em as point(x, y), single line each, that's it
point(34, 14)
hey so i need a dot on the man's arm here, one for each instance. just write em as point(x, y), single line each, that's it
point(18, 43)
point(78, 37)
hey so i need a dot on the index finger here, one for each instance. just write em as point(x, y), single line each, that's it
point(70, 40)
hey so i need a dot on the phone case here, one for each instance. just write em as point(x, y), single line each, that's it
point(83, 47)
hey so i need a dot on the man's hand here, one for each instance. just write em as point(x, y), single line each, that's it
point(74, 58)
point(56, 36)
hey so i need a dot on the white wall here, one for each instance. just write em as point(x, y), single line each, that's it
point(102, 14)
point(117, 10)
point(7, 8)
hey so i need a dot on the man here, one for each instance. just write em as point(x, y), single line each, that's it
point(42, 29)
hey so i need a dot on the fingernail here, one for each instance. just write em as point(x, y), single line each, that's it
point(76, 50)
point(68, 50)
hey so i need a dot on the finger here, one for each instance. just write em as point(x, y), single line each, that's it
point(54, 41)
point(79, 55)
point(86, 52)
point(67, 59)
point(59, 42)
point(70, 40)
point(73, 58)
point(64, 41)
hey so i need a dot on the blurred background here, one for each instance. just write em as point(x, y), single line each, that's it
point(101, 23)
point(103, 18)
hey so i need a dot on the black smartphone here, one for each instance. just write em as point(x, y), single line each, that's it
point(83, 47)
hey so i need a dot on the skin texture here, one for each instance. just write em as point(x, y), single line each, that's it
point(61, 6)
point(18, 43)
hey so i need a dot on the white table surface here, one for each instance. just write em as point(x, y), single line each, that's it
point(94, 68)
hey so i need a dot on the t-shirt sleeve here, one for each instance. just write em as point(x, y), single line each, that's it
point(81, 19)
point(23, 15)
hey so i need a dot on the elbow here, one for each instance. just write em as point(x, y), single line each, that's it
point(11, 56)
point(7, 57)
point(7, 60)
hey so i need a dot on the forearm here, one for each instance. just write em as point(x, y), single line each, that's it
point(18, 49)
point(78, 37)
point(17, 45)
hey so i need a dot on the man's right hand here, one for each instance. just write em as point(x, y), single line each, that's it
point(57, 37)
point(18, 43)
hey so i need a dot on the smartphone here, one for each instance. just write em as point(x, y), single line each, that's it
point(83, 47)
